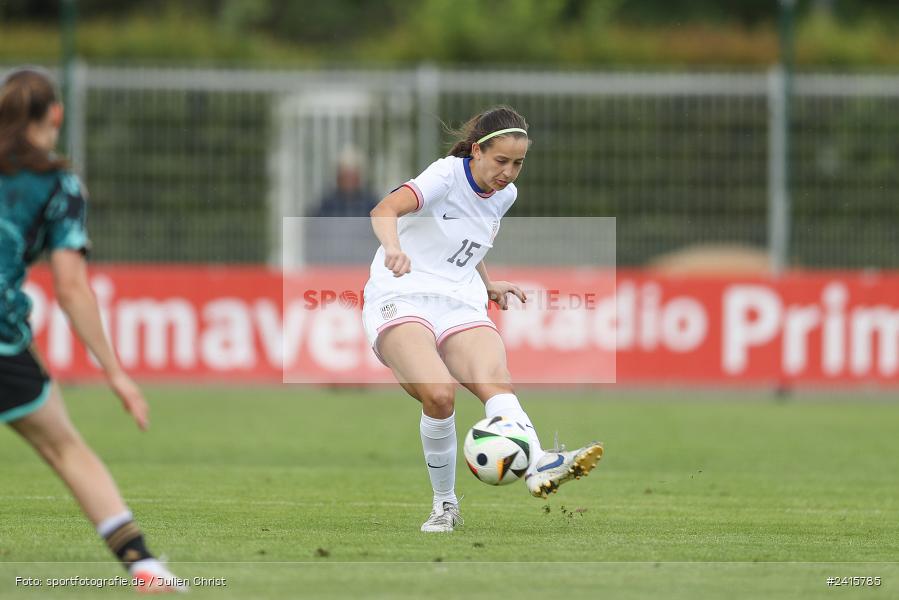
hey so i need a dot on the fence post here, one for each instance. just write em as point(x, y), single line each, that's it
point(283, 243)
point(77, 118)
point(67, 24)
point(778, 189)
point(427, 86)
point(779, 95)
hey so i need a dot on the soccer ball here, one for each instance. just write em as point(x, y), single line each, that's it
point(497, 450)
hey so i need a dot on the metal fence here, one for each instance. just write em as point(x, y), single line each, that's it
point(201, 165)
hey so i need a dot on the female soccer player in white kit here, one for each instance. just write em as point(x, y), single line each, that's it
point(425, 311)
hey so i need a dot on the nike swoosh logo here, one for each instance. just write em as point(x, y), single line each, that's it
point(446, 218)
point(556, 463)
point(435, 467)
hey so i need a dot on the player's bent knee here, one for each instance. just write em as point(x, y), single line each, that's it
point(438, 401)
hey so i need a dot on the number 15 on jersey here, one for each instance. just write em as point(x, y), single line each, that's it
point(467, 247)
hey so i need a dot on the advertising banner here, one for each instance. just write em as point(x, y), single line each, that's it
point(579, 326)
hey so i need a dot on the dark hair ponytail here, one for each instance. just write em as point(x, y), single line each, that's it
point(493, 119)
point(25, 97)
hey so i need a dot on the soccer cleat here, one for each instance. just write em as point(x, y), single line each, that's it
point(443, 519)
point(150, 576)
point(557, 467)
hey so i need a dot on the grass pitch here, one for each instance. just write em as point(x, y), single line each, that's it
point(297, 493)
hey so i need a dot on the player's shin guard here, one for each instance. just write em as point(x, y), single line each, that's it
point(438, 439)
point(507, 405)
point(124, 538)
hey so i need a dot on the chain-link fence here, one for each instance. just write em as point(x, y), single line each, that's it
point(177, 175)
point(678, 160)
point(845, 172)
point(201, 165)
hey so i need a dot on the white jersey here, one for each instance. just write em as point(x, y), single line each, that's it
point(446, 237)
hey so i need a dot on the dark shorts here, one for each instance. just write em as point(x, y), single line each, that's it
point(24, 386)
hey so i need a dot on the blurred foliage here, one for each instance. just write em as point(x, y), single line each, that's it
point(318, 17)
point(576, 32)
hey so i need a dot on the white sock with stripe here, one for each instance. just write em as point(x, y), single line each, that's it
point(507, 405)
point(110, 524)
point(438, 440)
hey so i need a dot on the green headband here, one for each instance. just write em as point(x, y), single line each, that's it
point(501, 132)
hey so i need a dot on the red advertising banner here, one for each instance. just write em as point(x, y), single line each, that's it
point(579, 326)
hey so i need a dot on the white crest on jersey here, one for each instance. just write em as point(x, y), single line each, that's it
point(388, 311)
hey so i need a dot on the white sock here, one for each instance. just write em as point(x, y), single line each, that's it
point(507, 405)
point(438, 439)
point(150, 565)
point(110, 524)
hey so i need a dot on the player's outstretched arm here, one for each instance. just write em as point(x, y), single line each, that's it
point(498, 290)
point(78, 302)
point(383, 220)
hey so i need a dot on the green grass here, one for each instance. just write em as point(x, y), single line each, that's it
point(288, 492)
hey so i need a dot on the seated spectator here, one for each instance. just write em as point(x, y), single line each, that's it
point(350, 198)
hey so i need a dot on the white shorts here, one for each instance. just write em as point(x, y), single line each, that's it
point(442, 315)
